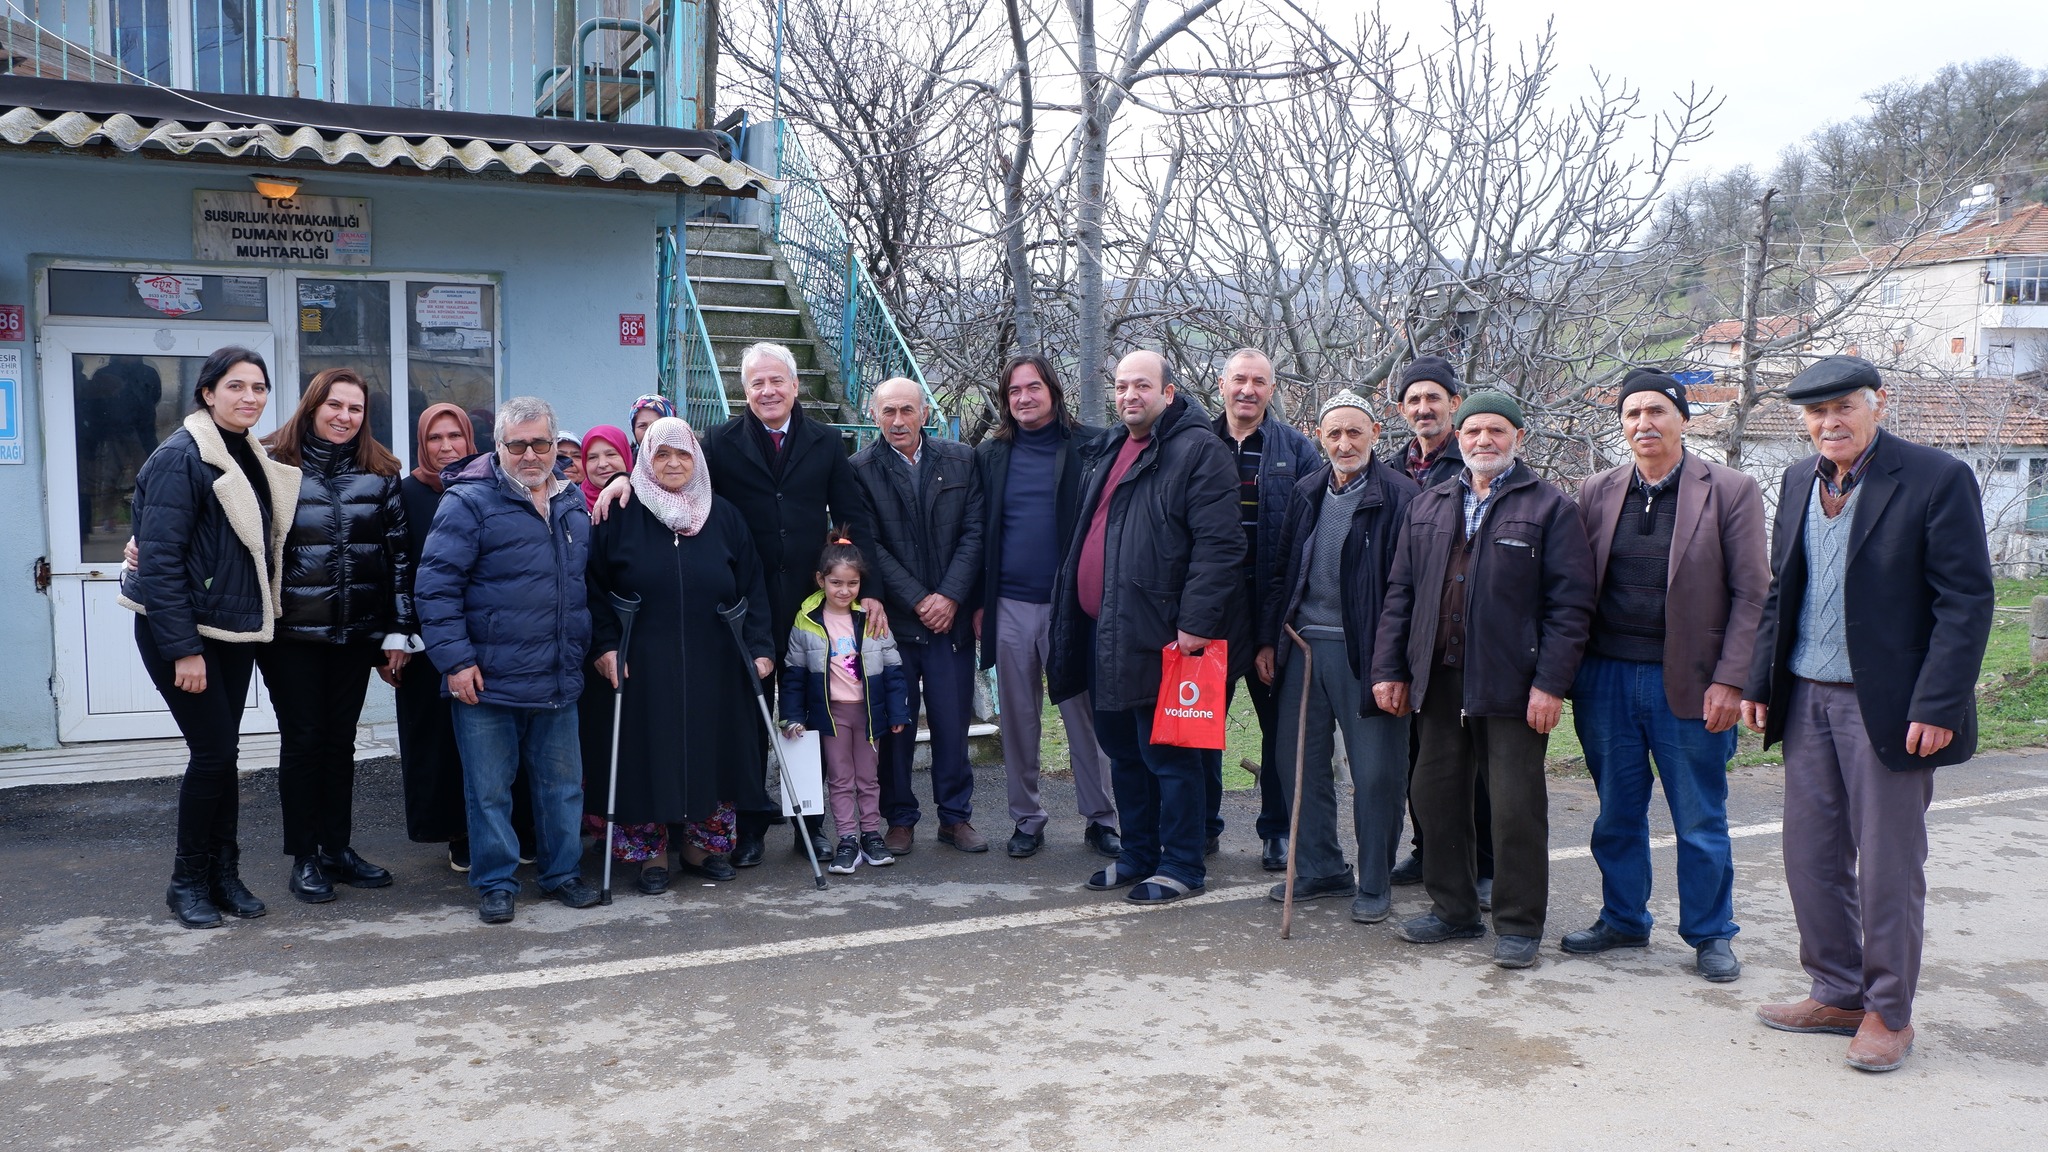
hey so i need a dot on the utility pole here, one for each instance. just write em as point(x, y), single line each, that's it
point(1756, 261)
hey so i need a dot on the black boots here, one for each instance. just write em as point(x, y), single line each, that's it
point(226, 889)
point(343, 866)
point(308, 883)
point(187, 894)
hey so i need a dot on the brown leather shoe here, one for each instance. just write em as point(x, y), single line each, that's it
point(901, 839)
point(1810, 1015)
point(1877, 1048)
point(963, 836)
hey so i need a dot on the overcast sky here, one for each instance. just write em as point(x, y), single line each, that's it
point(1786, 66)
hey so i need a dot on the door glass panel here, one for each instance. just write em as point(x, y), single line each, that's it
point(123, 407)
point(451, 352)
point(224, 45)
point(141, 36)
point(158, 295)
point(389, 45)
point(347, 324)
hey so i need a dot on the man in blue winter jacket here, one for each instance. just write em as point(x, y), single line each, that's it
point(500, 597)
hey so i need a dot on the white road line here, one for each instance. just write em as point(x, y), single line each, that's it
point(1747, 830)
point(67, 1031)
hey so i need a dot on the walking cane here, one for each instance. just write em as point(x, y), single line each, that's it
point(626, 607)
point(734, 616)
point(1308, 666)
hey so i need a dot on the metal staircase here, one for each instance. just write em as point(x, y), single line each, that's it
point(790, 277)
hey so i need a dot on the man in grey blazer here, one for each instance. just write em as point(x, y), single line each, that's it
point(1866, 668)
point(1680, 574)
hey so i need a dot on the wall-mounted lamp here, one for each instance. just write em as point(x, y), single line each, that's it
point(275, 187)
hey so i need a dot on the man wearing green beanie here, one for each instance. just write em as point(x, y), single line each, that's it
point(1487, 610)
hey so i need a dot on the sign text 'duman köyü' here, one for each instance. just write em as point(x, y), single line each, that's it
point(246, 227)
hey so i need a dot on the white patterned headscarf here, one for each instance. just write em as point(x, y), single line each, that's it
point(684, 511)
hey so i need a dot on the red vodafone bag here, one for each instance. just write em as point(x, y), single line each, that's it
point(1191, 689)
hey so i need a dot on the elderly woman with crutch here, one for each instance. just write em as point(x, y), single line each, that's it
point(684, 755)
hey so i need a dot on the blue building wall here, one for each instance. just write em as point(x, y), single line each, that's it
point(569, 262)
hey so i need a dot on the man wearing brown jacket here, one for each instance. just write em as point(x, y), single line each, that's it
point(1680, 575)
point(1484, 623)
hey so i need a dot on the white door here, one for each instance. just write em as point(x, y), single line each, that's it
point(109, 396)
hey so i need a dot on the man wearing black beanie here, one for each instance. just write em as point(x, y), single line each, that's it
point(1428, 395)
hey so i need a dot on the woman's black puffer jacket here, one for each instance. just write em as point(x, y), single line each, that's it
point(347, 561)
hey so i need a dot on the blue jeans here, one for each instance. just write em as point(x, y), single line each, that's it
point(1160, 795)
point(1623, 721)
point(496, 742)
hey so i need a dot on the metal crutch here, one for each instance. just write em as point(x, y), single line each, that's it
point(735, 616)
point(1308, 666)
point(626, 607)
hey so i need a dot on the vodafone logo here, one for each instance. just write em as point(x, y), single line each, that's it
point(1190, 695)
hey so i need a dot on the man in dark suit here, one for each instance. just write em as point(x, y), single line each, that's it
point(1680, 573)
point(789, 476)
point(927, 566)
point(1866, 668)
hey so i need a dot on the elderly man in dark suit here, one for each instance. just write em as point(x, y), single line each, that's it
point(1680, 574)
point(1866, 668)
point(927, 499)
point(789, 476)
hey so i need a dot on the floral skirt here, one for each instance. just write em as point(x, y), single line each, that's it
point(641, 842)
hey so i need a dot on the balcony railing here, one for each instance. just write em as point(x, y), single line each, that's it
point(632, 61)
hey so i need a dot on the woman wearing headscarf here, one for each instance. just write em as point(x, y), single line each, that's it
point(646, 410)
point(607, 452)
point(346, 608)
point(427, 756)
point(211, 512)
point(684, 752)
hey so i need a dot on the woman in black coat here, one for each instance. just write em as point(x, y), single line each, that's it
point(210, 515)
point(347, 607)
point(689, 743)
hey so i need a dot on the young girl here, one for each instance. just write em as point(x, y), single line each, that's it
point(849, 686)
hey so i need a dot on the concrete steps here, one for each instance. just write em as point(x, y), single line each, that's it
point(744, 295)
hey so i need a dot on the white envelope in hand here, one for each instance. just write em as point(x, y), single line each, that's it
point(803, 767)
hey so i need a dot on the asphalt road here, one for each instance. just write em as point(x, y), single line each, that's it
point(969, 1001)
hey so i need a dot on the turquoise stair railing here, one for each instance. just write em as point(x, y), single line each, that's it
point(845, 306)
point(689, 368)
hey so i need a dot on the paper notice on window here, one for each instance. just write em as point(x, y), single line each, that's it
point(449, 306)
point(170, 295)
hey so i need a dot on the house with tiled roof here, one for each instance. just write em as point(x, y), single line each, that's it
point(1967, 299)
point(1996, 424)
point(1718, 347)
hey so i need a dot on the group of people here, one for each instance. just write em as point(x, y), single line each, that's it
point(1434, 610)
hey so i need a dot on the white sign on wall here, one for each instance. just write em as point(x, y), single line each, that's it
point(251, 228)
point(10, 406)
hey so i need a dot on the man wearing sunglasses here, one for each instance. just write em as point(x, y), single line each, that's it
point(501, 603)
point(1680, 572)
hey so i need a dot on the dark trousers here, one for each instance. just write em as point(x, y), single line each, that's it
point(1482, 810)
point(1159, 796)
point(1855, 856)
point(1457, 752)
point(942, 675)
point(317, 690)
point(1272, 797)
point(209, 808)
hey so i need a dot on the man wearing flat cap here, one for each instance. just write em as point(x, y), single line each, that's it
point(1866, 668)
point(1487, 607)
point(1680, 572)
point(1427, 392)
point(1336, 546)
